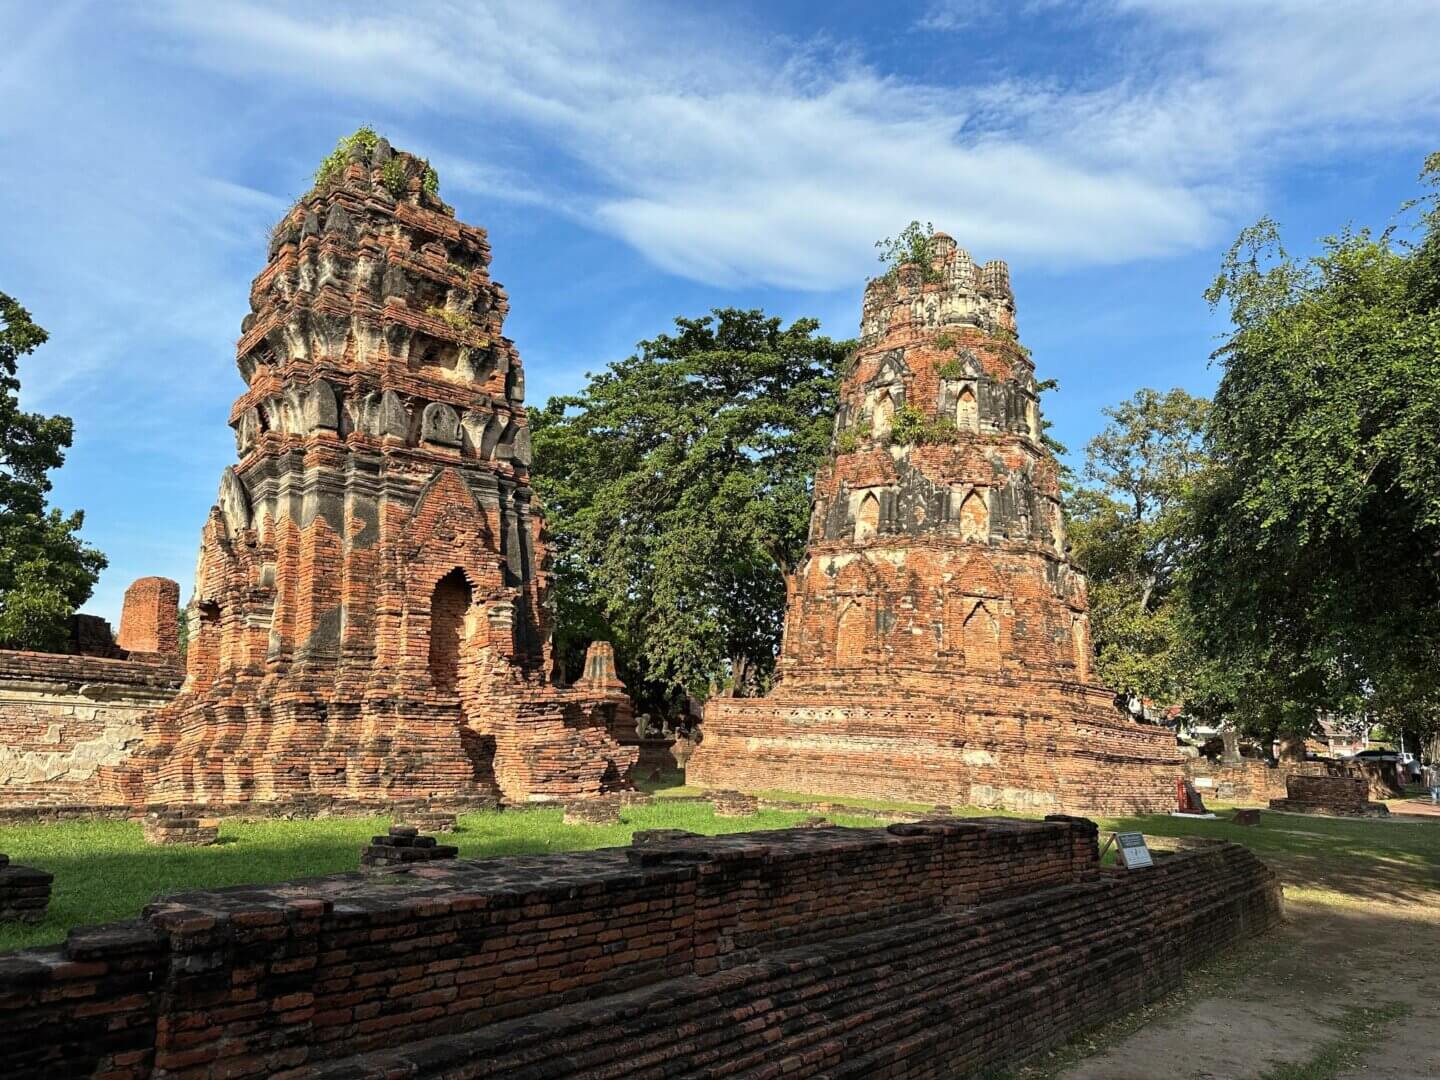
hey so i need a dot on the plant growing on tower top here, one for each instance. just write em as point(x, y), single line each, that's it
point(915, 244)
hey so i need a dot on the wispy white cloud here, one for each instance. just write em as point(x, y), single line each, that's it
point(730, 160)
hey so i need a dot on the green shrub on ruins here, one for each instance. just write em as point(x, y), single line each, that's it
point(392, 175)
point(915, 244)
point(333, 167)
point(847, 442)
point(951, 369)
point(911, 427)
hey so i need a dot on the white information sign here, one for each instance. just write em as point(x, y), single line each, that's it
point(1132, 850)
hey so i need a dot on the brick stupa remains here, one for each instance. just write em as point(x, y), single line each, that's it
point(937, 643)
point(369, 620)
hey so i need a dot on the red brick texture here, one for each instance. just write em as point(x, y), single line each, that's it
point(937, 641)
point(149, 621)
point(370, 618)
point(1339, 795)
point(924, 950)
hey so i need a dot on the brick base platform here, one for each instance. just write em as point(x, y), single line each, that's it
point(604, 810)
point(24, 893)
point(173, 827)
point(403, 848)
point(1340, 796)
point(985, 751)
point(922, 950)
point(733, 803)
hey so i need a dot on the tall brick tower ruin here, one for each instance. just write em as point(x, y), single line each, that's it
point(937, 646)
point(369, 618)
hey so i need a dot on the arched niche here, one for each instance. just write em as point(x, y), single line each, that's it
point(883, 417)
point(981, 637)
point(974, 517)
point(967, 409)
point(851, 632)
point(449, 606)
point(867, 517)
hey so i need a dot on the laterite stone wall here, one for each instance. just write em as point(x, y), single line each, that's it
point(921, 950)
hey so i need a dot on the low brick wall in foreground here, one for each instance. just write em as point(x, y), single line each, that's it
point(920, 950)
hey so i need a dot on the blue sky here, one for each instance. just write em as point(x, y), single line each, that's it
point(637, 161)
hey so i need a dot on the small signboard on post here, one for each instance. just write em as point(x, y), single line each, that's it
point(1132, 851)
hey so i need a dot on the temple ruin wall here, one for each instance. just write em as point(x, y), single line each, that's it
point(921, 950)
point(62, 717)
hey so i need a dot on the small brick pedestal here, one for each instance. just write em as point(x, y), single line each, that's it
point(1342, 796)
point(173, 827)
point(24, 892)
point(401, 849)
point(604, 810)
point(424, 819)
point(734, 803)
point(1246, 817)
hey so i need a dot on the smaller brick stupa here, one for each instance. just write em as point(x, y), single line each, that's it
point(370, 619)
point(937, 642)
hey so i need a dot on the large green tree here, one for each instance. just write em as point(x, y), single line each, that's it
point(677, 494)
point(46, 570)
point(1129, 530)
point(1316, 572)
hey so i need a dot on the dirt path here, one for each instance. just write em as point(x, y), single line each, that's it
point(1349, 988)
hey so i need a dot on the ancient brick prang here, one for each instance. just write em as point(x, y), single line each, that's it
point(936, 949)
point(937, 641)
point(369, 618)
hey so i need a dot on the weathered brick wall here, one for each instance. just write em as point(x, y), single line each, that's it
point(1339, 794)
point(918, 950)
point(937, 635)
point(62, 717)
point(1248, 781)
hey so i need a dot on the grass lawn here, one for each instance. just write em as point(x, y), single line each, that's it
point(104, 870)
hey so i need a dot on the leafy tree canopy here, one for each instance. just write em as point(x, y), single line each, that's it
point(1316, 571)
point(1129, 529)
point(46, 570)
point(677, 494)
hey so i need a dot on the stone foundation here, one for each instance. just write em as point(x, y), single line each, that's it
point(173, 827)
point(1341, 796)
point(401, 849)
point(604, 810)
point(980, 749)
point(24, 893)
point(733, 803)
point(922, 950)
